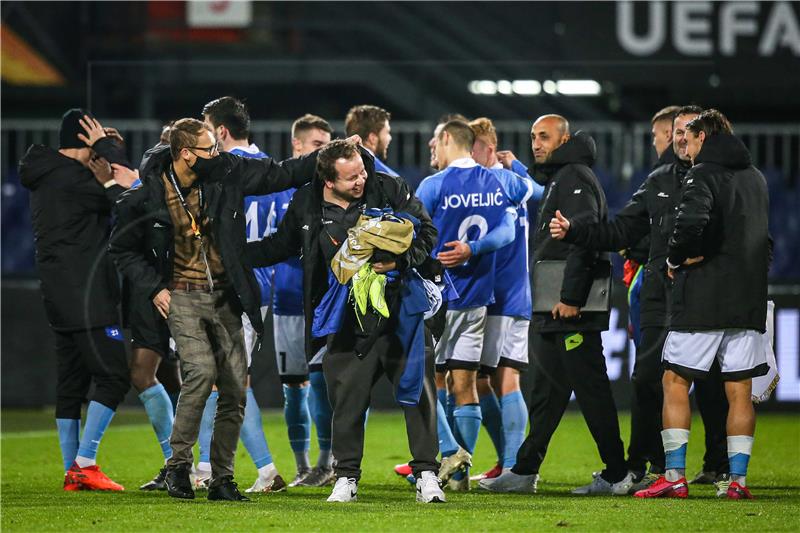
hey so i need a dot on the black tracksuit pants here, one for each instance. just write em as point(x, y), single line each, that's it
point(647, 399)
point(350, 380)
point(563, 363)
point(85, 357)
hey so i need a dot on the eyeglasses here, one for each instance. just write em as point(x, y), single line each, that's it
point(207, 149)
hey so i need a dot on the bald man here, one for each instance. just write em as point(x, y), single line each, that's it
point(568, 351)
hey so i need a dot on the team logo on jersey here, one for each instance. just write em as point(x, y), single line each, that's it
point(663, 195)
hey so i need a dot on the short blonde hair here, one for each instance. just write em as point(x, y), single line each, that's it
point(484, 130)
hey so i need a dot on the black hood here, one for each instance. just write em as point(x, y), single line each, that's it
point(39, 161)
point(666, 158)
point(156, 158)
point(725, 150)
point(579, 149)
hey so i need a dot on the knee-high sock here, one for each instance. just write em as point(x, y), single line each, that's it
point(98, 417)
point(447, 441)
point(492, 419)
point(69, 431)
point(298, 423)
point(252, 434)
point(207, 428)
point(515, 421)
point(468, 424)
point(675, 443)
point(740, 447)
point(322, 413)
point(158, 407)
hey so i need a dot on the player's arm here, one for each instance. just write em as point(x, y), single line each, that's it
point(265, 176)
point(578, 272)
point(629, 226)
point(694, 213)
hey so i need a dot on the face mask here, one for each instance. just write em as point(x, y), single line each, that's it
point(208, 168)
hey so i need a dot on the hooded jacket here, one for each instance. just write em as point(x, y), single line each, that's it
point(649, 213)
point(70, 214)
point(723, 217)
point(572, 187)
point(298, 235)
point(142, 242)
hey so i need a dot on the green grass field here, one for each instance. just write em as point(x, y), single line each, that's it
point(32, 499)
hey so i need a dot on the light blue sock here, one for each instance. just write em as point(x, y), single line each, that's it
point(322, 413)
point(468, 425)
point(69, 431)
point(252, 434)
point(739, 449)
point(515, 421)
point(441, 397)
point(207, 427)
point(158, 407)
point(675, 442)
point(298, 423)
point(447, 441)
point(98, 417)
point(493, 422)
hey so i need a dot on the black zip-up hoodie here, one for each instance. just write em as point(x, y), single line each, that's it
point(142, 242)
point(572, 188)
point(649, 213)
point(71, 213)
point(723, 217)
point(299, 230)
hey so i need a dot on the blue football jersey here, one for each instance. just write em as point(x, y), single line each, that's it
point(259, 214)
point(380, 166)
point(288, 286)
point(466, 201)
point(512, 289)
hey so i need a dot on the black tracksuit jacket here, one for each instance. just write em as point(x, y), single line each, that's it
point(71, 214)
point(723, 216)
point(650, 212)
point(572, 187)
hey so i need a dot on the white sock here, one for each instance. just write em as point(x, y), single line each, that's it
point(740, 448)
point(204, 467)
point(675, 441)
point(83, 462)
point(267, 472)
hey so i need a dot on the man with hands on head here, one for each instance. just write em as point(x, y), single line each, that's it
point(72, 191)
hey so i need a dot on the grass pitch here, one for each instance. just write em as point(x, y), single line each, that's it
point(32, 499)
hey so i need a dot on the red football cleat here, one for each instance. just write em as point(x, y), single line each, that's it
point(69, 483)
point(665, 489)
point(492, 473)
point(738, 492)
point(92, 478)
point(403, 470)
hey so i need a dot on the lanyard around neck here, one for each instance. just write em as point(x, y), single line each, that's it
point(185, 205)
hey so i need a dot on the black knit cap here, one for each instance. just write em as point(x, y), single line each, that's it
point(70, 128)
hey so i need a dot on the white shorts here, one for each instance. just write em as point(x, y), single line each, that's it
point(740, 352)
point(462, 340)
point(250, 337)
point(290, 349)
point(505, 343)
